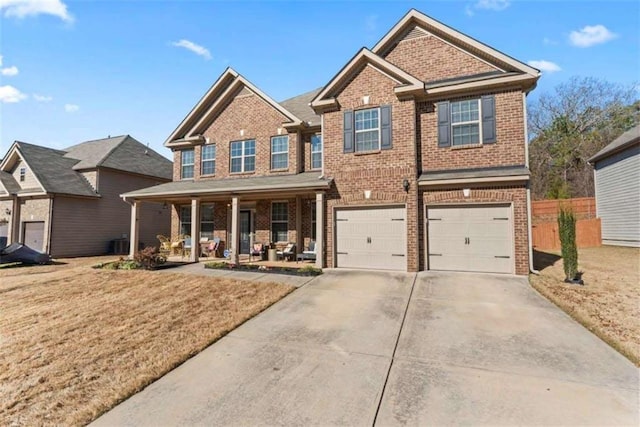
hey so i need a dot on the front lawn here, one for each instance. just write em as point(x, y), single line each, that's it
point(609, 303)
point(75, 341)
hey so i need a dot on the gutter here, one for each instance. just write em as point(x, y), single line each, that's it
point(526, 150)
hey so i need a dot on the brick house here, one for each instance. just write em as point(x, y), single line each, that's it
point(412, 157)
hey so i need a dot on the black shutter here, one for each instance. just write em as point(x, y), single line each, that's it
point(444, 124)
point(348, 131)
point(385, 127)
point(488, 119)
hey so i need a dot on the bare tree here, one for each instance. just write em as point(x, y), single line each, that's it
point(571, 124)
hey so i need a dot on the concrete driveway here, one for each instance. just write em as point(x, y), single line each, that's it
point(364, 348)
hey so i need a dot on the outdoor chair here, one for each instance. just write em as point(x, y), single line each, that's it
point(256, 250)
point(186, 249)
point(210, 247)
point(165, 245)
point(288, 252)
point(177, 245)
point(309, 254)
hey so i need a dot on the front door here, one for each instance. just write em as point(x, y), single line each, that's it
point(33, 233)
point(245, 231)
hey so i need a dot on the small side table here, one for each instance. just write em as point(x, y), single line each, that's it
point(273, 254)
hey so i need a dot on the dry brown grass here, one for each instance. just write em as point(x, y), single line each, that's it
point(609, 303)
point(75, 341)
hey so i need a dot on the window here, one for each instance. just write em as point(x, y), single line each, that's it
point(185, 219)
point(313, 220)
point(243, 156)
point(367, 129)
point(208, 159)
point(23, 174)
point(187, 164)
point(316, 152)
point(280, 152)
point(279, 222)
point(206, 220)
point(465, 122)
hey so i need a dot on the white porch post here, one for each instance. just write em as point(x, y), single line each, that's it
point(319, 230)
point(299, 237)
point(195, 230)
point(135, 228)
point(235, 230)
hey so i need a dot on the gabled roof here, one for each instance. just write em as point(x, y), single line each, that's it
point(626, 140)
point(123, 153)
point(453, 36)
point(8, 184)
point(406, 82)
point(54, 171)
point(227, 86)
point(300, 106)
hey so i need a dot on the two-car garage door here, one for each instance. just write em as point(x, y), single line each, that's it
point(372, 238)
point(470, 238)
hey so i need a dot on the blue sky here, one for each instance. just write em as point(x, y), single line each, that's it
point(72, 71)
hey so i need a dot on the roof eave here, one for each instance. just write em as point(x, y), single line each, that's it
point(601, 156)
point(522, 81)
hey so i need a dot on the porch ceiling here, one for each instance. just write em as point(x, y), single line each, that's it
point(301, 182)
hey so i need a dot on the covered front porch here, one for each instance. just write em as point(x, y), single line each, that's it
point(237, 220)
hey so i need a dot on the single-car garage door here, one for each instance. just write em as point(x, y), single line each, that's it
point(470, 238)
point(374, 238)
point(33, 233)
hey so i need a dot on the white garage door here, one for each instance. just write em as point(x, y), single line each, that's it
point(471, 238)
point(374, 238)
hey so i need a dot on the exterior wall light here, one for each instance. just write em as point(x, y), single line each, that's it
point(405, 185)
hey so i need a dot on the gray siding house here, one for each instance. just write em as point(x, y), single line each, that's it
point(617, 182)
point(67, 202)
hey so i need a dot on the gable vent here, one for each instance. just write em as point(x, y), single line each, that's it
point(414, 33)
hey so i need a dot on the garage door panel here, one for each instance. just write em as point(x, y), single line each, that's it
point(373, 238)
point(470, 238)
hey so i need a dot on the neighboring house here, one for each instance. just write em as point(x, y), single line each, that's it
point(617, 182)
point(412, 157)
point(66, 202)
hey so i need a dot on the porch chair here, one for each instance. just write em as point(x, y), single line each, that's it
point(186, 248)
point(177, 245)
point(165, 245)
point(211, 247)
point(288, 252)
point(256, 251)
point(309, 254)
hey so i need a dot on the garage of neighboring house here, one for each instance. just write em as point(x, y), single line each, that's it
point(371, 238)
point(33, 235)
point(475, 238)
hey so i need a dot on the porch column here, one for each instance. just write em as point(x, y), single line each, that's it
point(299, 236)
point(235, 230)
point(135, 228)
point(195, 230)
point(319, 230)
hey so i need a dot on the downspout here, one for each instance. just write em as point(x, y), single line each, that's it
point(526, 160)
point(50, 225)
point(323, 142)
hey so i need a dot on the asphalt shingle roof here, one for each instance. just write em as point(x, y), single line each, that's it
point(310, 180)
point(625, 140)
point(9, 183)
point(299, 106)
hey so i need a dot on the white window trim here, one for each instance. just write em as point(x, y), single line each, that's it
point(184, 208)
point(202, 221)
point(471, 122)
point(356, 132)
point(182, 164)
point(203, 160)
point(242, 156)
point(317, 152)
point(280, 152)
point(278, 221)
point(23, 174)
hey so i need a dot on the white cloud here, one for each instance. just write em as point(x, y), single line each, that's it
point(195, 48)
point(591, 35)
point(371, 22)
point(549, 41)
point(9, 71)
point(10, 95)
point(546, 66)
point(42, 98)
point(492, 4)
point(1, 59)
point(24, 8)
point(468, 10)
point(71, 108)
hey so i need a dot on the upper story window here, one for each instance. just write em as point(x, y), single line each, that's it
point(367, 130)
point(367, 125)
point(280, 152)
point(23, 174)
point(316, 151)
point(243, 156)
point(187, 160)
point(208, 159)
point(467, 122)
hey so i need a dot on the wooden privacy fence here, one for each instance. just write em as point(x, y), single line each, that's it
point(544, 218)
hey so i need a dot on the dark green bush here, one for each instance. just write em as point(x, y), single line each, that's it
point(569, 249)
